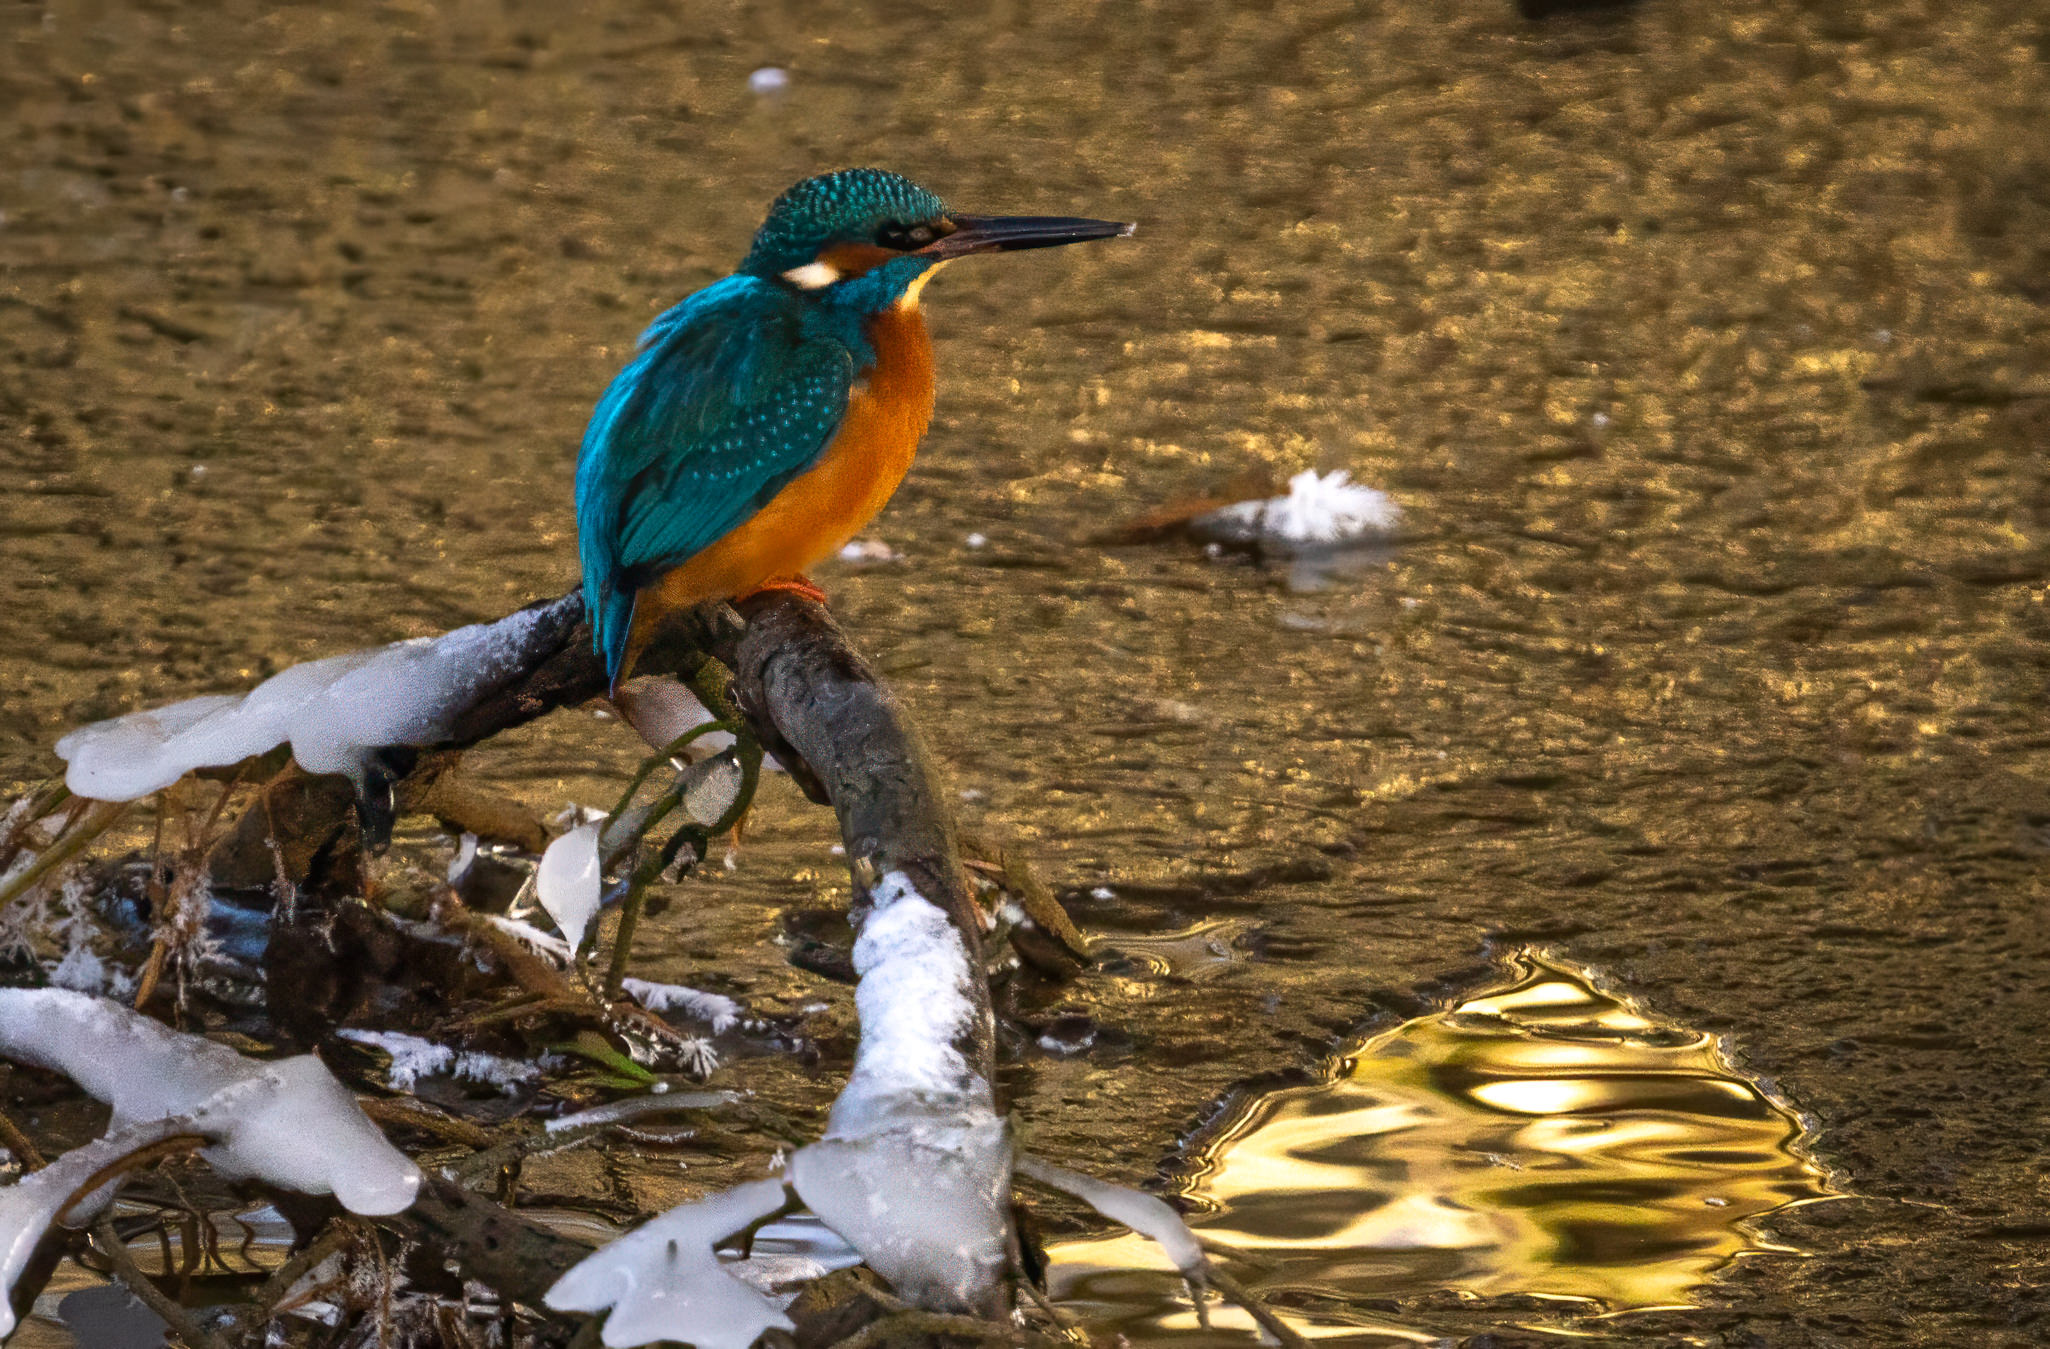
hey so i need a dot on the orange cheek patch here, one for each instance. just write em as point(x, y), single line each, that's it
point(851, 260)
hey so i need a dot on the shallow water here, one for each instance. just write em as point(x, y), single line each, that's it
point(1702, 346)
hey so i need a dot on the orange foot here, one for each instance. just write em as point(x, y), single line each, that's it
point(799, 586)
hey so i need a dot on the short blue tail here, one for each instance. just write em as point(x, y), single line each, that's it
point(612, 621)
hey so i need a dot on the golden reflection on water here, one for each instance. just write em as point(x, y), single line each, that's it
point(1541, 1138)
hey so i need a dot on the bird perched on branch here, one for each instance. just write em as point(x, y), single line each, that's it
point(769, 416)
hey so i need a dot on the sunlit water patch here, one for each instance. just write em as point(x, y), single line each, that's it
point(1542, 1137)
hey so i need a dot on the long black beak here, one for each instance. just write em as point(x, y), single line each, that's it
point(1008, 233)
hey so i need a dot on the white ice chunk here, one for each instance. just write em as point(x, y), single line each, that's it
point(287, 1122)
point(466, 857)
point(1145, 1214)
point(716, 788)
point(1319, 511)
point(333, 711)
point(914, 1172)
point(413, 1058)
point(716, 1010)
point(143, 752)
point(38, 1201)
point(925, 1201)
point(660, 708)
point(663, 1281)
point(769, 80)
point(863, 552)
point(568, 884)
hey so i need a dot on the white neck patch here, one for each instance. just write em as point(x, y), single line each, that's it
point(813, 275)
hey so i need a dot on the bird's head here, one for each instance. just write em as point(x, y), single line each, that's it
point(868, 238)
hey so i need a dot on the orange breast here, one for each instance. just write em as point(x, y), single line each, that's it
point(827, 505)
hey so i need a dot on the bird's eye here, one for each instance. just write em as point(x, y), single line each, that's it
point(903, 238)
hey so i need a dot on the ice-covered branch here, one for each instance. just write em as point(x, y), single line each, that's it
point(335, 713)
point(288, 1123)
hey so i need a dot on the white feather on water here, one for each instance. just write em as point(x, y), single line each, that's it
point(1320, 511)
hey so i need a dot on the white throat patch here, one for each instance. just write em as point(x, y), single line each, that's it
point(909, 300)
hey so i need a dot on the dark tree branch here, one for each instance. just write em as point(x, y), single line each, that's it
point(812, 697)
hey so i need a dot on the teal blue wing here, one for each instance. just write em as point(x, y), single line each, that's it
point(728, 401)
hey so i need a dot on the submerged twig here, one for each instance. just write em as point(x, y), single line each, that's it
point(411, 1113)
point(743, 1241)
point(143, 1287)
point(284, 1276)
point(1255, 1308)
point(912, 1321)
point(20, 1144)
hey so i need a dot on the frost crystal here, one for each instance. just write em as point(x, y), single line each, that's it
point(413, 1058)
point(1318, 512)
point(568, 884)
point(334, 712)
point(719, 1012)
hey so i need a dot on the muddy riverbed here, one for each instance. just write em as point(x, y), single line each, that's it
point(1704, 348)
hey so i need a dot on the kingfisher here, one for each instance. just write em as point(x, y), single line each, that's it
point(771, 415)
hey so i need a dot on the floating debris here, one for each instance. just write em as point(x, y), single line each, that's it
point(869, 552)
point(1319, 512)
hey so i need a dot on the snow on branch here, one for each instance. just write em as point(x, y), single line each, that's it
point(288, 1123)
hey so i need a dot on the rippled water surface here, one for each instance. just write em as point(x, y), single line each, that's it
point(1540, 1137)
point(1704, 347)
